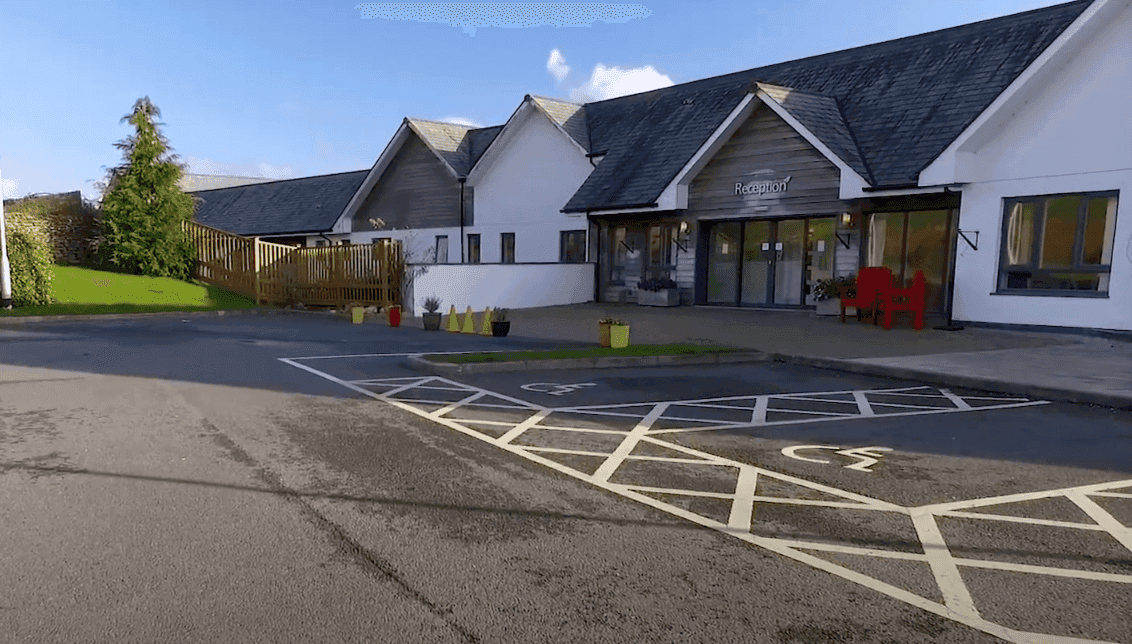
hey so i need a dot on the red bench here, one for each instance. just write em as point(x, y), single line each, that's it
point(907, 300)
point(872, 282)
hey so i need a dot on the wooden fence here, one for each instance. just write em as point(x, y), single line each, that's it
point(369, 274)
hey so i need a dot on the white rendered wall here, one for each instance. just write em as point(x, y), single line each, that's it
point(522, 188)
point(513, 286)
point(1075, 135)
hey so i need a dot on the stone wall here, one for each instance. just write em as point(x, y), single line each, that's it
point(68, 222)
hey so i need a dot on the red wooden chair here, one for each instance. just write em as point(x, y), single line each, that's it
point(911, 300)
point(872, 283)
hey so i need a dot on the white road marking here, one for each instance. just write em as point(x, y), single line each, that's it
point(1104, 519)
point(606, 469)
point(958, 605)
point(868, 456)
point(792, 452)
point(555, 389)
point(947, 577)
point(743, 507)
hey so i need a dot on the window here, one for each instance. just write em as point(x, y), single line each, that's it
point(1058, 243)
point(507, 248)
point(441, 252)
point(473, 248)
point(660, 245)
point(319, 242)
point(573, 247)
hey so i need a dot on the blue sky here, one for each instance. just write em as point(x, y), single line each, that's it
point(288, 89)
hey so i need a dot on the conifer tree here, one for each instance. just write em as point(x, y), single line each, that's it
point(143, 206)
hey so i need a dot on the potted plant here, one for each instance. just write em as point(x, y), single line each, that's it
point(658, 291)
point(618, 334)
point(500, 325)
point(431, 315)
point(828, 293)
point(604, 325)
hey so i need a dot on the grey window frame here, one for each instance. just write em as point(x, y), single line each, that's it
point(504, 247)
point(1033, 267)
point(563, 246)
point(436, 250)
point(474, 254)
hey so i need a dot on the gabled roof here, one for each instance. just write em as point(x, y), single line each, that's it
point(291, 206)
point(458, 146)
point(902, 102)
point(571, 117)
point(821, 115)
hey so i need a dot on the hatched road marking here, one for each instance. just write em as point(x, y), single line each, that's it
point(604, 456)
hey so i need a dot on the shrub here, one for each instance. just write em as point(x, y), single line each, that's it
point(31, 259)
point(656, 284)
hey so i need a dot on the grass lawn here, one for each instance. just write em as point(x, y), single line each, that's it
point(84, 291)
point(585, 352)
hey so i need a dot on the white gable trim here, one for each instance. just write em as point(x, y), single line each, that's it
point(852, 185)
point(343, 223)
point(558, 126)
point(507, 135)
point(945, 168)
point(424, 139)
point(675, 195)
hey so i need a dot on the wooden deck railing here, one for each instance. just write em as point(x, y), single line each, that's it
point(369, 274)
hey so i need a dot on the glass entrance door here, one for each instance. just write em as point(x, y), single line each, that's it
point(767, 262)
point(723, 263)
point(757, 260)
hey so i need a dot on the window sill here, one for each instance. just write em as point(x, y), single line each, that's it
point(1051, 293)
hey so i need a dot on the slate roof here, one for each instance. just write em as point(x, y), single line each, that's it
point(290, 206)
point(901, 102)
point(460, 146)
point(822, 116)
point(571, 117)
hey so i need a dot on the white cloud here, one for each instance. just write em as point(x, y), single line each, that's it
point(9, 188)
point(610, 82)
point(198, 165)
point(460, 120)
point(557, 66)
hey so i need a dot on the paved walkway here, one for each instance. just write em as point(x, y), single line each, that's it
point(1062, 366)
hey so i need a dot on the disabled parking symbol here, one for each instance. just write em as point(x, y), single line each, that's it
point(866, 456)
point(555, 389)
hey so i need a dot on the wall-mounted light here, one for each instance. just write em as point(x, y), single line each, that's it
point(849, 220)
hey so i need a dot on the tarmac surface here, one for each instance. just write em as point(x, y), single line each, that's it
point(1073, 366)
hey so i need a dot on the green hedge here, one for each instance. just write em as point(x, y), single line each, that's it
point(31, 259)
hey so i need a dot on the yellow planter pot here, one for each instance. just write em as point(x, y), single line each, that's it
point(357, 314)
point(619, 336)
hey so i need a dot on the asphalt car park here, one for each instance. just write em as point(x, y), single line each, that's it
point(998, 514)
point(951, 500)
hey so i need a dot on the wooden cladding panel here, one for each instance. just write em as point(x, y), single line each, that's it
point(415, 191)
point(765, 148)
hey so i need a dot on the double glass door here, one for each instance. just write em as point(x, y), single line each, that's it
point(768, 262)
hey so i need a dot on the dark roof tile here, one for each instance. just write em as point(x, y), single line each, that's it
point(291, 206)
point(904, 101)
